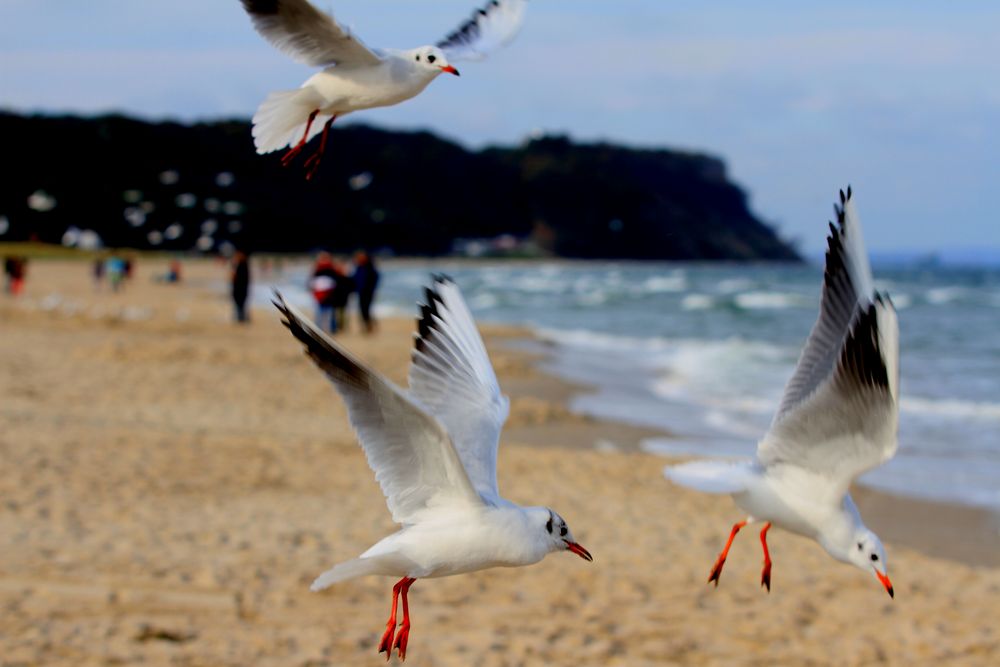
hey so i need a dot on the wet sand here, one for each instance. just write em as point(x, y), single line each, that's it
point(172, 483)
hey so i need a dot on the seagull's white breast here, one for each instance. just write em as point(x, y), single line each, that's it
point(467, 541)
point(790, 497)
point(352, 89)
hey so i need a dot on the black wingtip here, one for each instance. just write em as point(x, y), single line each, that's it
point(441, 278)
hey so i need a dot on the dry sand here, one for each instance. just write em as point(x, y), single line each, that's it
point(171, 483)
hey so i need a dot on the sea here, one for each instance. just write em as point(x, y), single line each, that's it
point(703, 352)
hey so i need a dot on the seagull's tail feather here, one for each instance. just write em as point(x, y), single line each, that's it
point(712, 476)
point(281, 118)
point(352, 569)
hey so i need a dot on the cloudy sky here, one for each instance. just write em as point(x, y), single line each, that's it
point(899, 97)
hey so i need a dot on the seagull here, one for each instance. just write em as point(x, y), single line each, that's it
point(838, 418)
point(354, 76)
point(434, 453)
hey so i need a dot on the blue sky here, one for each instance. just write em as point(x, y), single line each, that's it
point(902, 99)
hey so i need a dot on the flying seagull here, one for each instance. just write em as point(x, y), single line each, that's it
point(434, 452)
point(354, 76)
point(838, 418)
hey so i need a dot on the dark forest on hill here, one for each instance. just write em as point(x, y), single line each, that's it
point(143, 184)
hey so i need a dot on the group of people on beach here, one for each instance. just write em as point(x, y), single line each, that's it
point(331, 285)
point(113, 268)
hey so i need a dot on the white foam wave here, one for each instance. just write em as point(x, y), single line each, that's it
point(951, 408)
point(697, 302)
point(733, 285)
point(660, 284)
point(942, 295)
point(901, 301)
point(768, 300)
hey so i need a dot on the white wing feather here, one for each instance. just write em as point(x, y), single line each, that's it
point(308, 35)
point(412, 456)
point(840, 411)
point(490, 28)
point(452, 376)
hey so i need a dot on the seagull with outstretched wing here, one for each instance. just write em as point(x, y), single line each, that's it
point(354, 76)
point(838, 418)
point(434, 452)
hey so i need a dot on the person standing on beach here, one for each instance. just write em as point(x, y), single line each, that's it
point(322, 284)
point(15, 268)
point(97, 271)
point(341, 295)
point(365, 282)
point(241, 285)
point(115, 270)
point(8, 272)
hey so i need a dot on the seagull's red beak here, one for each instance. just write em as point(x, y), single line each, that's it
point(450, 70)
point(885, 582)
point(578, 550)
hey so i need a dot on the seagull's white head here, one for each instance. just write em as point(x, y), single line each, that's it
point(867, 553)
point(553, 530)
point(432, 60)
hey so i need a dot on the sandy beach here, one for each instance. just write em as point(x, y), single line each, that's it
point(171, 483)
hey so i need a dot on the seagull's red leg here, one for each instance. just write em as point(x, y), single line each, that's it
point(404, 630)
point(385, 646)
point(312, 164)
point(721, 560)
point(287, 158)
point(765, 575)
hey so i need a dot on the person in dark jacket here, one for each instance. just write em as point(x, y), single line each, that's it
point(365, 283)
point(241, 285)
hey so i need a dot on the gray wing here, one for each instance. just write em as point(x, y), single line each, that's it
point(493, 26)
point(308, 35)
point(452, 376)
point(840, 411)
point(412, 456)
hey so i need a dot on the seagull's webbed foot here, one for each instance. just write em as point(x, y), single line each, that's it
point(401, 638)
point(721, 560)
point(765, 575)
point(385, 646)
point(292, 153)
point(312, 164)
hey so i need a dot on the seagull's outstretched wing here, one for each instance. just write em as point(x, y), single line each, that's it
point(490, 28)
point(306, 34)
point(412, 456)
point(452, 376)
point(840, 411)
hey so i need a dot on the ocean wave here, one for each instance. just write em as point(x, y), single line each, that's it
point(952, 408)
point(944, 295)
point(660, 284)
point(697, 302)
point(769, 300)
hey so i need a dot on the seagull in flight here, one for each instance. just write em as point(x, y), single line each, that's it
point(838, 418)
point(354, 76)
point(434, 453)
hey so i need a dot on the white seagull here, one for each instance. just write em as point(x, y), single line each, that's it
point(838, 418)
point(434, 453)
point(355, 76)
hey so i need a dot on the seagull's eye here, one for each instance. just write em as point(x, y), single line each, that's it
point(431, 59)
point(563, 531)
point(418, 57)
point(874, 556)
